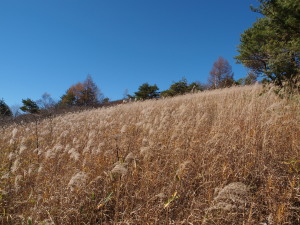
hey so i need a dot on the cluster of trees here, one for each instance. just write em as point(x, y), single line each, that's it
point(82, 94)
point(147, 91)
point(221, 76)
point(87, 93)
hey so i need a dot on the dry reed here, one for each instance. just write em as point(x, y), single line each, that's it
point(171, 161)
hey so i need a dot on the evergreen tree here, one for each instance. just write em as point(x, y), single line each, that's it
point(91, 94)
point(29, 106)
point(180, 87)
point(4, 109)
point(147, 91)
point(195, 86)
point(271, 47)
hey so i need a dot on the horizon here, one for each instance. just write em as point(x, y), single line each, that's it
point(49, 46)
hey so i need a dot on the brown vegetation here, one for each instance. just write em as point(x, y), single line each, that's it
point(232, 152)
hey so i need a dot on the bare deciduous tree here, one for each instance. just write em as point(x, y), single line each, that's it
point(221, 74)
point(46, 101)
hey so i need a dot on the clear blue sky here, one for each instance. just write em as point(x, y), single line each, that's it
point(48, 45)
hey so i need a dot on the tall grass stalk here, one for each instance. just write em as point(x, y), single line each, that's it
point(231, 156)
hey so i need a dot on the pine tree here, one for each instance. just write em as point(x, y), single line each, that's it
point(4, 109)
point(30, 106)
point(271, 47)
point(147, 91)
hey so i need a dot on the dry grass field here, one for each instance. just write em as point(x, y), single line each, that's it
point(229, 156)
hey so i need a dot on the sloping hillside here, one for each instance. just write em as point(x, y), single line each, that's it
point(216, 157)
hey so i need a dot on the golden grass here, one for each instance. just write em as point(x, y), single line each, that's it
point(233, 153)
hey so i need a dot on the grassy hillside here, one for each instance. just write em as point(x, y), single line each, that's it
point(217, 157)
